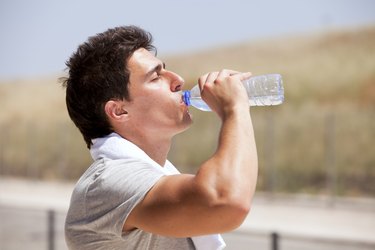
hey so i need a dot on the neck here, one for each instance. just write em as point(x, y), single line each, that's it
point(156, 148)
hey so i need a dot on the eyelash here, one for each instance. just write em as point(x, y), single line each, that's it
point(157, 77)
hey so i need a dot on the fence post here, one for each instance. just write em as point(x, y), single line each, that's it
point(51, 229)
point(275, 241)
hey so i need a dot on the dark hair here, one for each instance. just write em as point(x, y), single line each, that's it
point(98, 73)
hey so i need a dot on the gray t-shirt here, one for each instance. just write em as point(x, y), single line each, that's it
point(101, 202)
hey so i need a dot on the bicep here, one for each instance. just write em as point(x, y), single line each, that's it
point(175, 206)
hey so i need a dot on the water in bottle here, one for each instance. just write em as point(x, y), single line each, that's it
point(263, 90)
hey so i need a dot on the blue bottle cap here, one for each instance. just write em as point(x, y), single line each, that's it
point(186, 97)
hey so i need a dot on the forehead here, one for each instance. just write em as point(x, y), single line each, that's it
point(142, 61)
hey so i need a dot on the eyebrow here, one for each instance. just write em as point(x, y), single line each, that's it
point(157, 68)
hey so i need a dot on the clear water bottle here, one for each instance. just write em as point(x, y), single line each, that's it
point(263, 90)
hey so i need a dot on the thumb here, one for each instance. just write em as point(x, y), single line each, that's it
point(245, 75)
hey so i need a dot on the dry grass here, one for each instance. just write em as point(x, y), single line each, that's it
point(325, 75)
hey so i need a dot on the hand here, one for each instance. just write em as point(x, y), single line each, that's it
point(223, 91)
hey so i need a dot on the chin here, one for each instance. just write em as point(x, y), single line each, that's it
point(186, 122)
point(188, 118)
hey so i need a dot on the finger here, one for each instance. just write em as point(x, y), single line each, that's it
point(212, 77)
point(207, 78)
point(202, 81)
point(226, 72)
point(245, 76)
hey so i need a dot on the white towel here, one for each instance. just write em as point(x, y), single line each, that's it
point(114, 147)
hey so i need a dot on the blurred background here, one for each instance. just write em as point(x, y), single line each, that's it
point(316, 150)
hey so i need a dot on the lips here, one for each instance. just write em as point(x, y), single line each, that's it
point(182, 98)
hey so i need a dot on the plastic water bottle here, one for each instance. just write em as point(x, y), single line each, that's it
point(263, 90)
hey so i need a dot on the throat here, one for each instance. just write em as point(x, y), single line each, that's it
point(157, 150)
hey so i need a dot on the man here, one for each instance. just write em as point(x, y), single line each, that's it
point(128, 107)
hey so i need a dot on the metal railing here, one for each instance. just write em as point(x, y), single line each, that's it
point(51, 236)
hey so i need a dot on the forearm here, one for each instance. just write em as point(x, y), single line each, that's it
point(237, 153)
point(231, 173)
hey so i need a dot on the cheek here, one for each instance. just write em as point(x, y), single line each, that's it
point(158, 100)
point(156, 104)
point(150, 96)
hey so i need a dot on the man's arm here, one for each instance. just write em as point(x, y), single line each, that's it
point(218, 197)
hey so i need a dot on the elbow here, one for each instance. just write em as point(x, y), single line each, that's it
point(237, 211)
point(232, 209)
point(227, 203)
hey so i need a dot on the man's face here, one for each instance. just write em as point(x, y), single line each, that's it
point(156, 104)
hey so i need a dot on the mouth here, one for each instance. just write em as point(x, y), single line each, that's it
point(182, 99)
point(184, 106)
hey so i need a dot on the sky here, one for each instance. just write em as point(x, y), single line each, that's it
point(38, 36)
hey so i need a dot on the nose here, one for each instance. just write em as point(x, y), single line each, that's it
point(177, 82)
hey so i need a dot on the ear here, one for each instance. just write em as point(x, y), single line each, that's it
point(115, 110)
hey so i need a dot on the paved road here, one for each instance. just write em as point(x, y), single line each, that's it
point(302, 222)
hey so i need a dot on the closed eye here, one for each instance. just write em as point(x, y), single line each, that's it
point(155, 73)
point(156, 77)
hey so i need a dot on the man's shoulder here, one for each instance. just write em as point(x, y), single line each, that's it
point(108, 175)
point(103, 165)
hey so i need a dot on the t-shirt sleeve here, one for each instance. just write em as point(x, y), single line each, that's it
point(115, 190)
